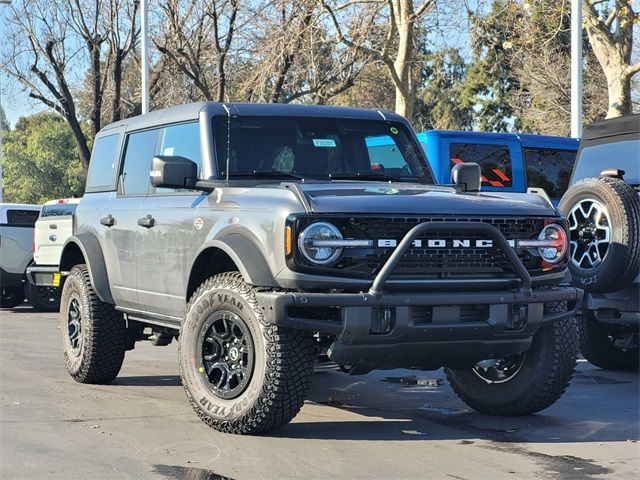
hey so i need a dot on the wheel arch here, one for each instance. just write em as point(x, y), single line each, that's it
point(227, 253)
point(86, 249)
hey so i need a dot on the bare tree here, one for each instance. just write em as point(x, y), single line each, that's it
point(53, 44)
point(609, 25)
point(396, 50)
point(197, 39)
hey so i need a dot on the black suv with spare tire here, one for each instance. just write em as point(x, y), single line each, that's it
point(264, 237)
point(603, 209)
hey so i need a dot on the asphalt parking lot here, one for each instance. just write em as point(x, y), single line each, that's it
point(382, 425)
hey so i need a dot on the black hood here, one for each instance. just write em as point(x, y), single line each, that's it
point(414, 199)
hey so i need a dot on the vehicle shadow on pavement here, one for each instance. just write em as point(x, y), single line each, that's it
point(148, 381)
point(599, 406)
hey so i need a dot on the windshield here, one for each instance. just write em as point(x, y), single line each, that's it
point(318, 148)
point(623, 155)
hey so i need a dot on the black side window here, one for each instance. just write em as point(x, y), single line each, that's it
point(137, 162)
point(103, 161)
point(494, 161)
point(58, 210)
point(181, 141)
point(23, 218)
point(549, 169)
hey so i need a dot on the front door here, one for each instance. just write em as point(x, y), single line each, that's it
point(165, 238)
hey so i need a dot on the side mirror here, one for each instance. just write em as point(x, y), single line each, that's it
point(467, 175)
point(173, 172)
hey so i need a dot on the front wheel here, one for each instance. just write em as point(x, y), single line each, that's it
point(240, 374)
point(522, 383)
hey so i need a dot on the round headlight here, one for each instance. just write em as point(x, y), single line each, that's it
point(555, 239)
point(319, 233)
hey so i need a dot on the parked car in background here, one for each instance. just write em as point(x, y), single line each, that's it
point(53, 228)
point(603, 209)
point(509, 162)
point(16, 237)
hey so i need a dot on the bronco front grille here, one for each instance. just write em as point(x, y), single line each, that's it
point(436, 262)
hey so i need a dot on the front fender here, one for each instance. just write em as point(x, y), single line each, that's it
point(247, 257)
point(88, 246)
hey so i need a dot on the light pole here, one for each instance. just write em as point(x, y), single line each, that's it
point(2, 2)
point(144, 17)
point(576, 68)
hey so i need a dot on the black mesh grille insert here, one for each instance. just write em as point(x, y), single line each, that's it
point(438, 262)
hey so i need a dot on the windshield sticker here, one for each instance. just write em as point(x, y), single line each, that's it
point(394, 130)
point(324, 142)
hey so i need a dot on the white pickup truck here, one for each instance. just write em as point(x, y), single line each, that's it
point(16, 236)
point(53, 228)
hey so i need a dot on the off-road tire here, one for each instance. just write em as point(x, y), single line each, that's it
point(542, 379)
point(598, 349)
point(11, 297)
point(34, 297)
point(621, 263)
point(103, 331)
point(283, 362)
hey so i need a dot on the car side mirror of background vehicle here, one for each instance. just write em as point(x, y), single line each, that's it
point(173, 172)
point(467, 175)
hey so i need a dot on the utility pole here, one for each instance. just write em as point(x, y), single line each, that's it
point(2, 2)
point(144, 18)
point(576, 68)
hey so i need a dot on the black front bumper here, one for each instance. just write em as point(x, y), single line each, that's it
point(380, 329)
point(425, 330)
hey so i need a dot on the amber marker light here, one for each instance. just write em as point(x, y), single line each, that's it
point(288, 240)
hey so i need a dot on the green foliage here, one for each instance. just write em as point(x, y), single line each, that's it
point(41, 161)
point(440, 104)
point(490, 79)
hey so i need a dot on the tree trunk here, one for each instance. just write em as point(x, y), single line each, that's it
point(96, 110)
point(116, 110)
point(619, 88)
point(403, 14)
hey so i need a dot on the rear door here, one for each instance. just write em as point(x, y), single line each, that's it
point(119, 220)
point(549, 169)
point(165, 245)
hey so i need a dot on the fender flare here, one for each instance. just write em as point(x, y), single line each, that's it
point(247, 257)
point(92, 252)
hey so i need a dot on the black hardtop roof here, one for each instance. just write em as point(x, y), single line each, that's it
point(613, 126)
point(191, 111)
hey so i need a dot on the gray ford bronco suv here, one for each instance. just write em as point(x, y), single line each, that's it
point(263, 237)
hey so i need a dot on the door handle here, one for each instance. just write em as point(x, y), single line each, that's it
point(147, 222)
point(108, 221)
point(53, 226)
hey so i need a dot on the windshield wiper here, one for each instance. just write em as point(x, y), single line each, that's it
point(382, 177)
point(266, 174)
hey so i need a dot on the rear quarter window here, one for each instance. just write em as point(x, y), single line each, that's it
point(549, 169)
point(494, 161)
point(22, 218)
point(103, 162)
point(58, 210)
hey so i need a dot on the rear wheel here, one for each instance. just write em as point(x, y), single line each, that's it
point(93, 332)
point(44, 299)
point(11, 297)
point(609, 346)
point(240, 374)
point(525, 382)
